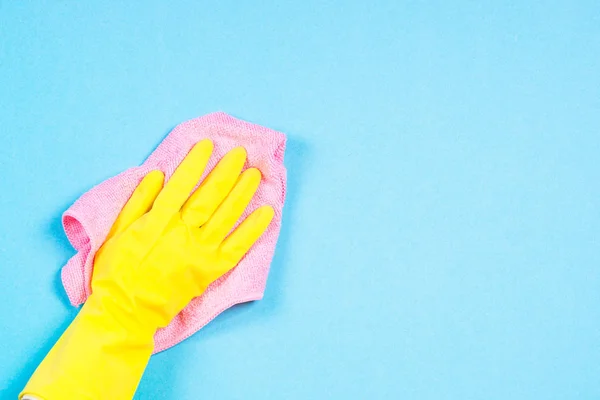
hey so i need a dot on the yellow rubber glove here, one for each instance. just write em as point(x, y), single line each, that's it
point(164, 249)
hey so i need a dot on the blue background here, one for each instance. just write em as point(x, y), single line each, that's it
point(441, 233)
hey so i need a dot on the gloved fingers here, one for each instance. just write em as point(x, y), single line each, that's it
point(186, 176)
point(247, 233)
point(139, 203)
point(214, 189)
point(224, 219)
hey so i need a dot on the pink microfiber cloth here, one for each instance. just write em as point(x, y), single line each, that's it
point(88, 221)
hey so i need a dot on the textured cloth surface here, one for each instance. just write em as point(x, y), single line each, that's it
point(89, 219)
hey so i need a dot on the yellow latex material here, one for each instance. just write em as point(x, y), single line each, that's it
point(163, 250)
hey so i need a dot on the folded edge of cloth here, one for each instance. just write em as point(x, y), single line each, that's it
point(89, 219)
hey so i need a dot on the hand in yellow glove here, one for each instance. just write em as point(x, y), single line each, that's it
point(164, 249)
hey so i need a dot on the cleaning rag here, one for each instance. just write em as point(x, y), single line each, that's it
point(88, 221)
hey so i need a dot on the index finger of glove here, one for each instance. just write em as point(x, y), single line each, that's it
point(184, 179)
